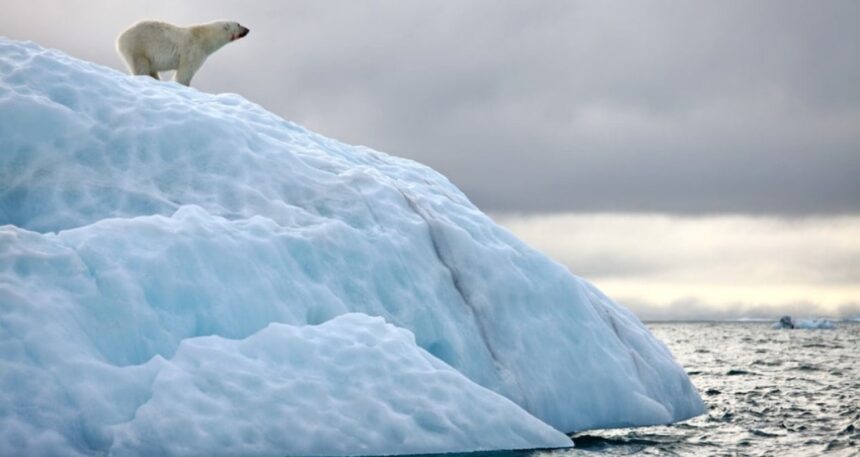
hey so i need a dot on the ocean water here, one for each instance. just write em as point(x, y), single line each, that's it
point(769, 392)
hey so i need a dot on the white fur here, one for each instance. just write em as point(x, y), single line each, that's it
point(149, 47)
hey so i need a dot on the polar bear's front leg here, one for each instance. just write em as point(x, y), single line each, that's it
point(188, 65)
point(140, 66)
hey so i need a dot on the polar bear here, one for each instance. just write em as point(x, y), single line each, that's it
point(149, 47)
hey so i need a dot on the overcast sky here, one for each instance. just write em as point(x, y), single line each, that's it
point(540, 110)
point(535, 106)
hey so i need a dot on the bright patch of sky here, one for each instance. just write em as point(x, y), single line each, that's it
point(707, 267)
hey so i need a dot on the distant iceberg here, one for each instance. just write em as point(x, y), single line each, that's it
point(184, 273)
point(786, 322)
point(820, 324)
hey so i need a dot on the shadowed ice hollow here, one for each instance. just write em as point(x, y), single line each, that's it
point(184, 273)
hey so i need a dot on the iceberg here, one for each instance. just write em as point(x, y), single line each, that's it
point(815, 324)
point(188, 274)
point(786, 322)
point(400, 398)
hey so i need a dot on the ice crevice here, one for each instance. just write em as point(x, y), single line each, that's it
point(455, 280)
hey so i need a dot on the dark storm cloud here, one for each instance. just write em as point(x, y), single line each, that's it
point(545, 106)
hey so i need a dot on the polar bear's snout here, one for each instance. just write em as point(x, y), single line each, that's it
point(242, 32)
point(237, 31)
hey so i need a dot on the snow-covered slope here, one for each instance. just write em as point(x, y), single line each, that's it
point(154, 238)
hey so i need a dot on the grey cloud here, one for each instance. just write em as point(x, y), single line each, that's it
point(535, 106)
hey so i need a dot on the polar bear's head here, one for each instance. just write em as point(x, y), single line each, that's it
point(234, 30)
point(211, 36)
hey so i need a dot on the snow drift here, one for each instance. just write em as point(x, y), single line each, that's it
point(187, 273)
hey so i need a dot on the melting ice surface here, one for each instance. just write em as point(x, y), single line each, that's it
point(184, 273)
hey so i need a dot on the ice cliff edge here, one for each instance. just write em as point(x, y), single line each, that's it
point(182, 271)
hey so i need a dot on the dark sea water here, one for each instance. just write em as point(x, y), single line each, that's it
point(768, 392)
